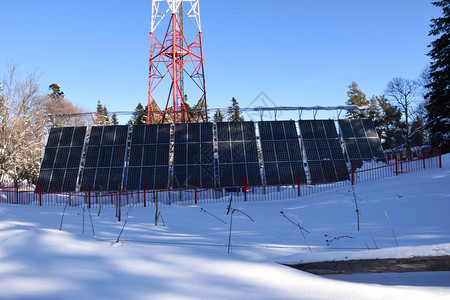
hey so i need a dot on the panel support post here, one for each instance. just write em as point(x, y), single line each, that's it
point(145, 199)
point(423, 158)
point(89, 197)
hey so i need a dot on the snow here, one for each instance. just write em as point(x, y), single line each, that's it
point(188, 259)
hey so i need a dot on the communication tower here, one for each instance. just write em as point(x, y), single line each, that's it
point(176, 63)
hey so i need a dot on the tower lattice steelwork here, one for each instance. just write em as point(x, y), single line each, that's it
point(176, 63)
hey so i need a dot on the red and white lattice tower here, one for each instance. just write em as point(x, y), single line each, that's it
point(175, 56)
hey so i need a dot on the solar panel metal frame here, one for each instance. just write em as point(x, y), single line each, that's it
point(102, 164)
point(238, 160)
point(148, 164)
point(61, 163)
point(281, 165)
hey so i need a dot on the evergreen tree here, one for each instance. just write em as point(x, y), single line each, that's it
point(114, 119)
point(356, 97)
point(438, 97)
point(390, 127)
point(101, 115)
point(140, 114)
point(218, 117)
point(234, 112)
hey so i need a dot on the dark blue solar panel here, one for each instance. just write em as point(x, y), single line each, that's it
point(70, 180)
point(239, 174)
point(180, 154)
point(96, 135)
point(341, 170)
point(315, 171)
point(137, 136)
point(206, 132)
point(104, 159)
point(248, 131)
point(254, 174)
point(134, 179)
point(207, 176)
point(323, 149)
point(207, 153)
point(194, 176)
point(91, 157)
point(281, 151)
point(298, 171)
point(364, 149)
point(265, 131)
point(179, 176)
point(278, 130)
point(224, 149)
point(115, 179)
point(56, 183)
point(101, 179)
point(328, 171)
point(271, 171)
point(346, 129)
point(223, 131)
point(311, 150)
point(149, 158)
point(161, 177)
point(162, 154)
point(61, 158)
point(79, 136)
point(306, 130)
point(358, 128)
point(66, 137)
point(294, 150)
point(290, 130)
point(352, 149)
point(164, 133)
point(193, 154)
point(88, 179)
point(318, 129)
point(136, 155)
point(74, 158)
point(330, 129)
point(237, 152)
point(181, 133)
point(193, 132)
point(268, 150)
point(118, 156)
point(121, 136)
point(369, 128)
point(49, 158)
point(109, 133)
point(148, 178)
point(236, 131)
point(376, 148)
point(251, 151)
point(336, 149)
point(44, 180)
point(285, 172)
point(54, 136)
point(151, 132)
point(226, 174)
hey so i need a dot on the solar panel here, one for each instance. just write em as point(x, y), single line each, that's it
point(193, 155)
point(149, 157)
point(323, 151)
point(361, 141)
point(281, 151)
point(238, 154)
point(105, 158)
point(62, 158)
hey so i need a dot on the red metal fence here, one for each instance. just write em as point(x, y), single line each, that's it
point(397, 164)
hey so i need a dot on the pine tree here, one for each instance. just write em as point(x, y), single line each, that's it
point(234, 112)
point(438, 97)
point(218, 117)
point(356, 97)
point(114, 119)
point(140, 115)
point(101, 115)
point(390, 127)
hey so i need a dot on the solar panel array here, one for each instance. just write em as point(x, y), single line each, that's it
point(62, 158)
point(361, 140)
point(105, 157)
point(283, 162)
point(238, 154)
point(323, 151)
point(149, 157)
point(193, 160)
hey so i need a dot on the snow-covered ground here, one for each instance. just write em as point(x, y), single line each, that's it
point(187, 258)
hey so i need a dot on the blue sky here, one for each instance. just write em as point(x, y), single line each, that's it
point(299, 53)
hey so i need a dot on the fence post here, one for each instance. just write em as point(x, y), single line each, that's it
point(440, 157)
point(16, 188)
point(89, 197)
point(40, 195)
point(401, 162)
point(245, 189)
point(353, 173)
point(396, 165)
point(298, 183)
point(423, 158)
point(145, 199)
